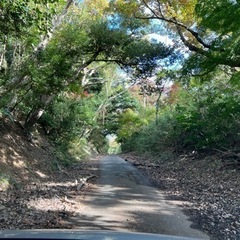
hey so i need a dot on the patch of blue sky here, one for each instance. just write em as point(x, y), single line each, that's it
point(233, 2)
point(158, 32)
point(175, 61)
point(114, 21)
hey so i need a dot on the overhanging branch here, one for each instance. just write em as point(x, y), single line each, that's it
point(161, 16)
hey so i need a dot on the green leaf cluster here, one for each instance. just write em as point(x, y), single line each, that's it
point(19, 15)
point(203, 118)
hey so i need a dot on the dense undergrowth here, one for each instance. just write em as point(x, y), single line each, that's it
point(203, 118)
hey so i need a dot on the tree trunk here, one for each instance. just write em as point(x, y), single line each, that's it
point(33, 118)
point(35, 114)
point(158, 106)
point(3, 62)
point(55, 24)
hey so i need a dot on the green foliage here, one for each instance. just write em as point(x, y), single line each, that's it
point(114, 147)
point(204, 118)
point(18, 15)
point(129, 122)
point(72, 124)
point(152, 138)
point(211, 121)
point(68, 118)
point(57, 64)
point(220, 16)
point(5, 181)
point(6, 113)
point(120, 104)
point(144, 55)
point(72, 152)
point(98, 139)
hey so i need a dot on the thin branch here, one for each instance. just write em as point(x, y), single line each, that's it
point(172, 21)
point(190, 46)
point(148, 7)
point(108, 100)
point(84, 65)
point(159, 7)
point(109, 60)
point(228, 153)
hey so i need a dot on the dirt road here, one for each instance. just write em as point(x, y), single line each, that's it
point(125, 200)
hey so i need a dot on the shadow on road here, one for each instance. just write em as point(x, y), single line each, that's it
point(125, 200)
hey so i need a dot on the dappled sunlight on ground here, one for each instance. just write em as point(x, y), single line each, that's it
point(124, 200)
point(33, 194)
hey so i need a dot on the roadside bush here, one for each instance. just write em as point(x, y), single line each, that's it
point(202, 118)
point(71, 122)
point(210, 119)
point(154, 138)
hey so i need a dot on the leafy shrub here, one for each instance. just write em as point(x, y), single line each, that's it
point(206, 117)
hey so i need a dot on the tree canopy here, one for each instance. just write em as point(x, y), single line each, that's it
point(207, 28)
point(73, 67)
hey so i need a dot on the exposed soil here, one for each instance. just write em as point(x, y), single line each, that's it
point(35, 191)
point(208, 187)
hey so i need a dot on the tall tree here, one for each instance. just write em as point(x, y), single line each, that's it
point(74, 45)
point(27, 31)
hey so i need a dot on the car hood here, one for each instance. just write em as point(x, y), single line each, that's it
point(83, 235)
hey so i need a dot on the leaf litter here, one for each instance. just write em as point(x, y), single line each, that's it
point(206, 187)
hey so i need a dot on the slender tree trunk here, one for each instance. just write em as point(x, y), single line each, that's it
point(35, 114)
point(3, 64)
point(55, 24)
point(158, 106)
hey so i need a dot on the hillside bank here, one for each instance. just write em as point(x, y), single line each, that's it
point(36, 190)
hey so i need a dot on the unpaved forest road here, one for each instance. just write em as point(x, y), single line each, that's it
point(124, 200)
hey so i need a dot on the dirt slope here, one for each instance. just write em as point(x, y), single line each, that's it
point(22, 161)
point(36, 192)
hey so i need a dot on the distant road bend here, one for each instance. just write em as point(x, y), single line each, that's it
point(126, 201)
